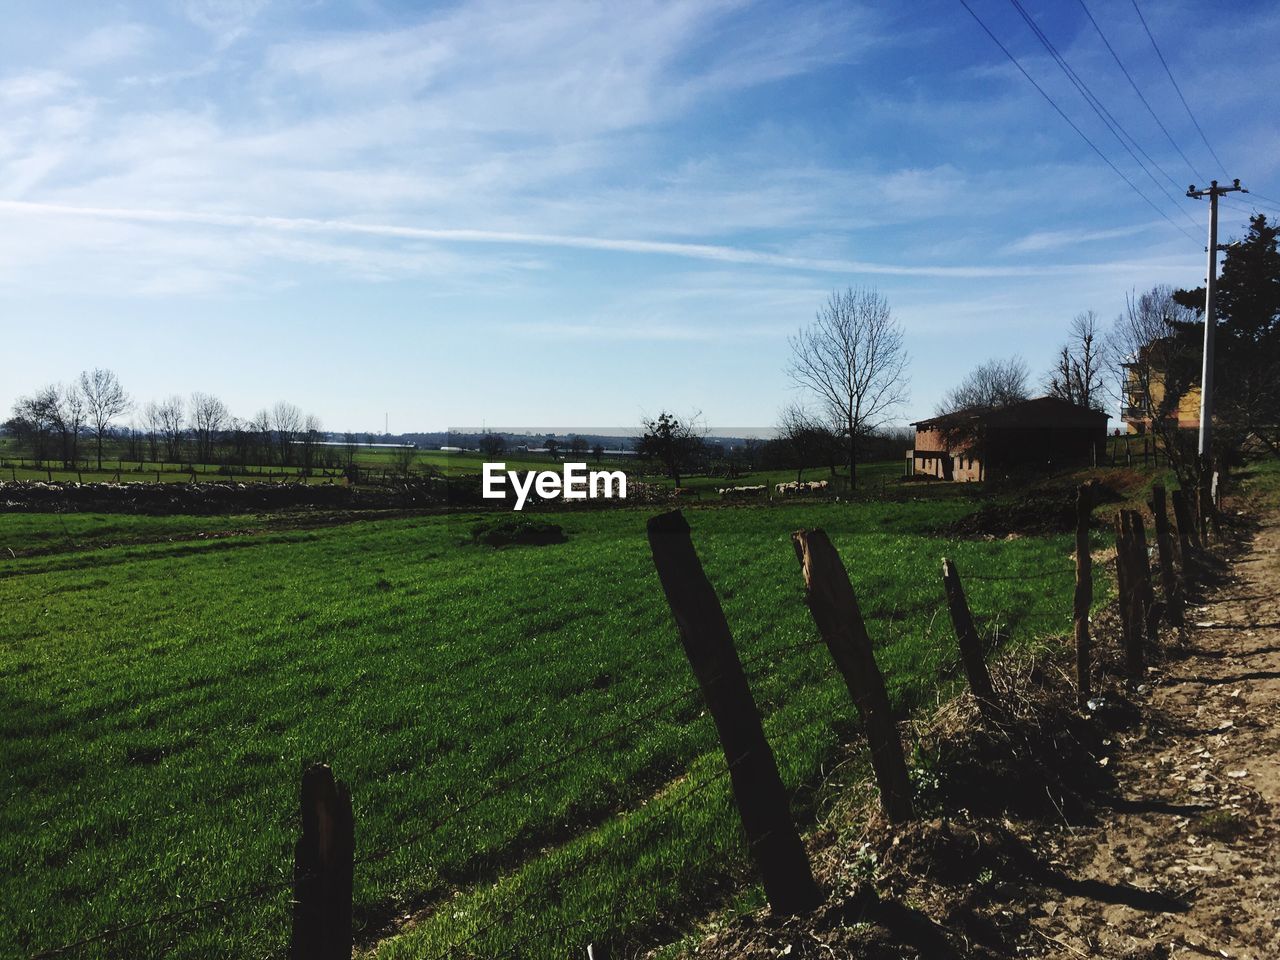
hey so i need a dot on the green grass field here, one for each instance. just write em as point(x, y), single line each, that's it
point(161, 699)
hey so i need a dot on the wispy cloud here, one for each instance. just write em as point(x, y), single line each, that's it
point(1055, 239)
point(695, 251)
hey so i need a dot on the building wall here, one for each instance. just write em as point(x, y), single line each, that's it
point(1188, 404)
point(930, 460)
point(1006, 450)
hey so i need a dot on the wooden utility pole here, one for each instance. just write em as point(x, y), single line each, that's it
point(772, 839)
point(1213, 192)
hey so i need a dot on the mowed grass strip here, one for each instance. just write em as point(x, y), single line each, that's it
point(159, 707)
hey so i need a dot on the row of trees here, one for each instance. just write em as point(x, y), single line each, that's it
point(52, 423)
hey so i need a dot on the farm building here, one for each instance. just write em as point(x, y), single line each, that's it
point(1039, 434)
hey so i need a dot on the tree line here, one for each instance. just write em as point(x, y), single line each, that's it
point(54, 422)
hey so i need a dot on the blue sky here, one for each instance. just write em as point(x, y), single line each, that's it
point(580, 213)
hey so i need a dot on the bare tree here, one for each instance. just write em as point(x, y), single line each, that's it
point(349, 447)
point(309, 441)
point(172, 421)
point(208, 416)
point(809, 439)
point(1077, 371)
point(104, 400)
point(1154, 346)
point(36, 420)
point(286, 419)
point(991, 384)
point(261, 426)
point(852, 358)
point(403, 460)
point(152, 427)
point(492, 444)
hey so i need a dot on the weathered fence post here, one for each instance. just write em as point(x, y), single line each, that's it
point(834, 606)
point(1132, 612)
point(323, 869)
point(1169, 585)
point(1186, 535)
point(773, 841)
point(1083, 599)
point(1151, 611)
point(975, 664)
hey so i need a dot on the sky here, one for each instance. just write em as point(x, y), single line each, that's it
point(582, 213)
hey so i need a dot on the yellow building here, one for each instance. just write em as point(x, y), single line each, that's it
point(1144, 393)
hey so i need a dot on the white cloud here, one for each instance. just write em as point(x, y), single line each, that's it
point(22, 89)
point(108, 44)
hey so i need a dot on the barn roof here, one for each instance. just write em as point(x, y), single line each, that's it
point(1036, 412)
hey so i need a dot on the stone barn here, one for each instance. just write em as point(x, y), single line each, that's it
point(1040, 435)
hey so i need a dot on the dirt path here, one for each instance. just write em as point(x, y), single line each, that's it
point(1188, 864)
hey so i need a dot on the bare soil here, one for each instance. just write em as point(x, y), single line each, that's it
point(1146, 828)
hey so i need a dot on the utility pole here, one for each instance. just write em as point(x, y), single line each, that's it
point(1210, 319)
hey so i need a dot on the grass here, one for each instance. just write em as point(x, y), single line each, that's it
point(161, 699)
point(376, 462)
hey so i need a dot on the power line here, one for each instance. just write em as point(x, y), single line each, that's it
point(1053, 103)
point(1133, 83)
point(1221, 166)
point(1111, 123)
point(1266, 204)
point(1251, 209)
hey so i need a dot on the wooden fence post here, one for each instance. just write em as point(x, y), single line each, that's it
point(834, 606)
point(323, 868)
point(1186, 535)
point(773, 841)
point(1169, 585)
point(1083, 599)
point(975, 664)
point(1131, 593)
point(1151, 611)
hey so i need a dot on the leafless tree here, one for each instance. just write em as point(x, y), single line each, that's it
point(810, 439)
point(853, 359)
point(171, 416)
point(1154, 349)
point(208, 417)
point(309, 441)
point(349, 447)
point(991, 384)
point(403, 460)
point(261, 427)
point(286, 420)
point(38, 420)
point(152, 428)
point(243, 440)
point(1077, 372)
point(104, 400)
